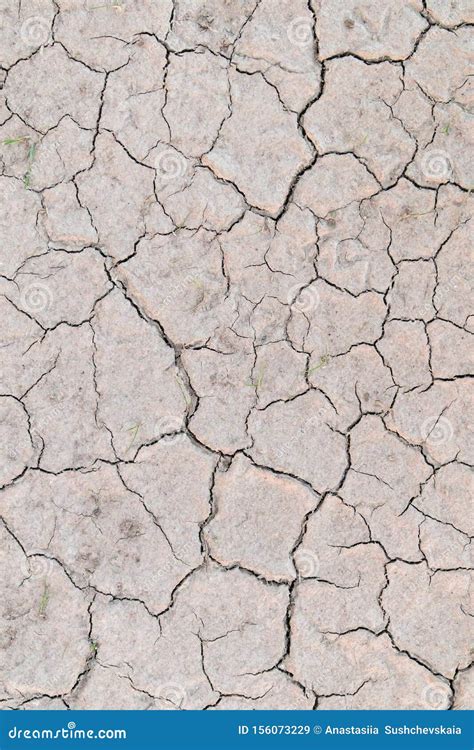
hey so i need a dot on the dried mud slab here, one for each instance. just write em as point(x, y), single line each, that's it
point(236, 288)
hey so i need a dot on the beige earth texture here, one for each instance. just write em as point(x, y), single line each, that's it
point(236, 278)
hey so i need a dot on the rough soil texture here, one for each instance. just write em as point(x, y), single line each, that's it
point(236, 341)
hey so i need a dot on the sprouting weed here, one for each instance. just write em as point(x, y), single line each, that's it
point(446, 128)
point(134, 430)
point(15, 141)
point(323, 361)
point(44, 601)
point(405, 217)
point(31, 158)
point(94, 647)
point(197, 283)
point(181, 224)
point(187, 400)
point(259, 379)
point(256, 382)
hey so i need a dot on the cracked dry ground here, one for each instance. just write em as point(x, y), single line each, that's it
point(236, 447)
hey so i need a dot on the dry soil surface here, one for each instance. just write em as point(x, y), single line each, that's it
point(236, 267)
